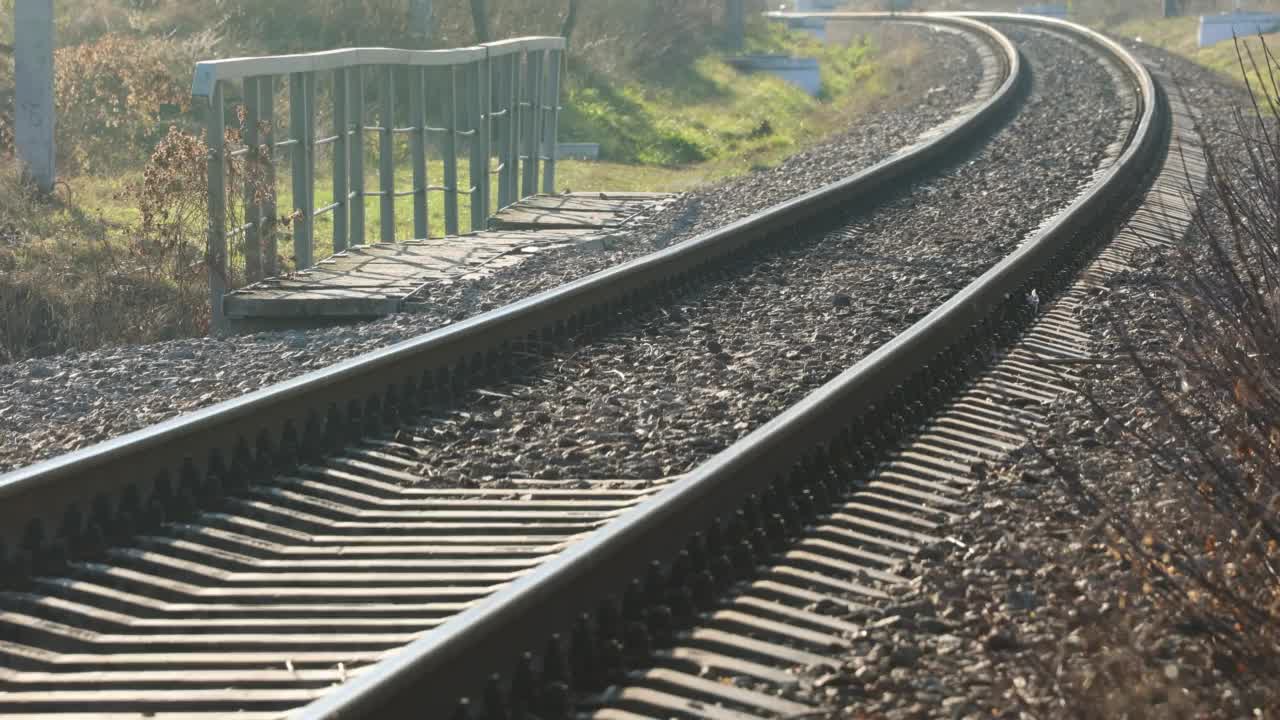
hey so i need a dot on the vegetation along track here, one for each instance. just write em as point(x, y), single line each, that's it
point(212, 601)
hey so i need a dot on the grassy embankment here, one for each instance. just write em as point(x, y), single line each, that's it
point(82, 270)
point(663, 132)
point(684, 128)
point(1179, 36)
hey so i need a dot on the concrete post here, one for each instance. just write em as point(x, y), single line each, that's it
point(33, 66)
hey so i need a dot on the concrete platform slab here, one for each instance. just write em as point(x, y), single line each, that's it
point(371, 281)
point(599, 210)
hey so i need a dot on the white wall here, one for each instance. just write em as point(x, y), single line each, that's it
point(1218, 28)
point(801, 72)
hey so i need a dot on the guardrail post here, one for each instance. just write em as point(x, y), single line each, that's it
point(355, 115)
point(386, 153)
point(485, 93)
point(502, 124)
point(302, 151)
point(252, 208)
point(418, 148)
point(309, 92)
point(216, 251)
point(509, 179)
point(555, 61)
point(267, 113)
point(479, 170)
point(450, 150)
point(523, 123)
point(530, 127)
point(341, 154)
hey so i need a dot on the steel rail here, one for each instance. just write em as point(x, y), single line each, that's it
point(430, 676)
point(71, 505)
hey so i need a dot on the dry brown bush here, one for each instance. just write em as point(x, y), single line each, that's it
point(172, 202)
point(1219, 394)
point(1203, 554)
point(87, 283)
point(114, 92)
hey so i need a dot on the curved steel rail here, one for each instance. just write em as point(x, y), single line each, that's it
point(73, 504)
point(433, 673)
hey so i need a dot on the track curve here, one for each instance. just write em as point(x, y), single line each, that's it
point(153, 648)
point(62, 497)
point(628, 531)
point(619, 590)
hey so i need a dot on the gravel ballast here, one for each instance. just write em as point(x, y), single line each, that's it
point(655, 399)
point(1029, 586)
point(53, 405)
point(1034, 607)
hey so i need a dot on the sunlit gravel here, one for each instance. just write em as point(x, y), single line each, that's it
point(52, 405)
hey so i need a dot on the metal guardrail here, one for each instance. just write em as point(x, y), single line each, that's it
point(500, 100)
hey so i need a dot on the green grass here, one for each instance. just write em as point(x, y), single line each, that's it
point(84, 272)
point(1179, 36)
point(100, 206)
point(708, 110)
point(688, 127)
point(571, 175)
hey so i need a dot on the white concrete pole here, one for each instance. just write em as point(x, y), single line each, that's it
point(33, 66)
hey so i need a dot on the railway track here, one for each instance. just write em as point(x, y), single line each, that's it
point(805, 626)
point(250, 557)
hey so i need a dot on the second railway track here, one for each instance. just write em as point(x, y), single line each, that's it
point(315, 564)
